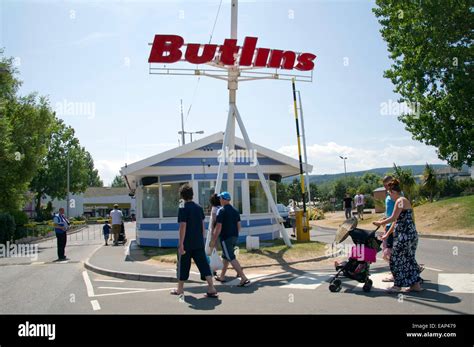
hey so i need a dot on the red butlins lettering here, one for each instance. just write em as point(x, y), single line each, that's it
point(167, 49)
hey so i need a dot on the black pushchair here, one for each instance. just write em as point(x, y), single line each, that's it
point(122, 239)
point(363, 253)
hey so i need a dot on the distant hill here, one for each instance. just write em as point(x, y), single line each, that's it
point(318, 179)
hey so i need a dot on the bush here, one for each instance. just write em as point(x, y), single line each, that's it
point(7, 227)
point(21, 220)
point(315, 213)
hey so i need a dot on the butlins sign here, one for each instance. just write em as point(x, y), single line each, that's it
point(167, 49)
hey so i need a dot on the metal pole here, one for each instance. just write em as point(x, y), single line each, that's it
point(303, 190)
point(232, 86)
point(67, 199)
point(304, 146)
point(191, 134)
point(345, 171)
point(183, 141)
point(262, 179)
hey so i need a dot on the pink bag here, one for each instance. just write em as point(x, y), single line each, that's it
point(363, 253)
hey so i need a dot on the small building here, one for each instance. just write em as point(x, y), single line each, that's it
point(379, 197)
point(465, 173)
point(156, 180)
point(95, 202)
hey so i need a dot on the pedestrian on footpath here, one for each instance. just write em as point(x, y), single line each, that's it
point(387, 244)
point(191, 243)
point(106, 231)
point(403, 265)
point(227, 230)
point(61, 226)
point(348, 206)
point(117, 218)
point(360, 202)
point(292, 216)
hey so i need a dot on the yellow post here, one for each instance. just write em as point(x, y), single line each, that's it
point(302, 233)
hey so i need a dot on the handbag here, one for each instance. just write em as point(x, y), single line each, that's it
point(215, 261)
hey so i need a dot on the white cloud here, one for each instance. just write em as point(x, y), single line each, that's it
point(94, 37)
point(325, 158)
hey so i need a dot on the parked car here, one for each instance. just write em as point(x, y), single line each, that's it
point(283, 211)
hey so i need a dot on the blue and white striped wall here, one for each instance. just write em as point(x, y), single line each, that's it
point(166, 234)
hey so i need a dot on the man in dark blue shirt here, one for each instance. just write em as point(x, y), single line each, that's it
point(191, 242)
point(227, 229)
point(61, 225)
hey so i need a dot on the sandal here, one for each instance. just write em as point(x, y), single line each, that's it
point(244, 284)
point(410, 290)
point(218, 279)
point(393, 290)
point(211, 295)
point(175, 292)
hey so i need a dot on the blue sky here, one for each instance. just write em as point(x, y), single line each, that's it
point(94, 54)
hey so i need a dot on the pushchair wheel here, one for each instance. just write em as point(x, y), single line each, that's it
point(335, 286)
point(367, 286)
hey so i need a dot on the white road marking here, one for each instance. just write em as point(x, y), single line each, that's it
point(87, 280)
point(117, 281)
point(456, 283)
point(121, 288)
point(38, 263)
point(377, 282)
point(312, 281)
point(251, 277)
point(432, 269)
point(137, 291)
point(426, 267)
point(95, 305)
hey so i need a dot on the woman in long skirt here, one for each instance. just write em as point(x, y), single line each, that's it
point(403, 265)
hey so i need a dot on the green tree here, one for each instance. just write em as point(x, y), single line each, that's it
point(118, 182)
point(294, 190)
point(25, 128)
point(430, 45)
point(430, 183)
point(94, 178)
point(282, 194)
point(407, 181)
point(51, 177)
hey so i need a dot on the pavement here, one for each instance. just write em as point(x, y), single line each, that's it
point(43, 286)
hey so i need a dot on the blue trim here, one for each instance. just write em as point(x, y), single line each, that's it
point(205, 176)
point(149, 242)
point(215, 146)
point(259, 222)
point(173, 243)
point(175, 226)
point(239, 176)
point(254, 176)
point(212, 162)
point(171, 178)
point(169, 243)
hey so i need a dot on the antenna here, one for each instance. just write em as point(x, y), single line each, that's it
point(182, 125)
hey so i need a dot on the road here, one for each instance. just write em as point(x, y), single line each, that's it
point(42, 286)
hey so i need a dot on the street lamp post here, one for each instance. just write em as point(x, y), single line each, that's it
point(195, 132)
point(345, 172)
